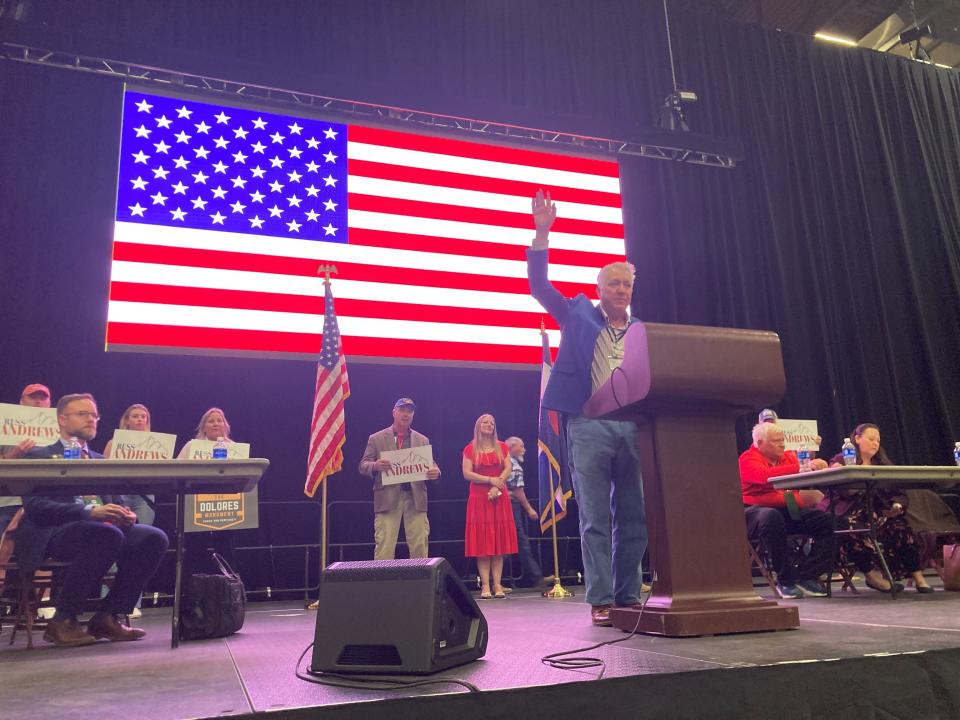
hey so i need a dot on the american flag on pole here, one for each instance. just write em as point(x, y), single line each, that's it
point(327, 428)
point(551, 456)
point(224, 212)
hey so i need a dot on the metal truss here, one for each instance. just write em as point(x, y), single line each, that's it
point(335, 108)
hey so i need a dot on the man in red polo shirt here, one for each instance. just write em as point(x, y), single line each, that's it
point(772, 514)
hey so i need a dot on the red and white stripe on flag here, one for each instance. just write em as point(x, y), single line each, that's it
point(327, 426)
point(433, 267)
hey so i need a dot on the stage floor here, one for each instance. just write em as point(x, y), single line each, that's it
point(253, 671)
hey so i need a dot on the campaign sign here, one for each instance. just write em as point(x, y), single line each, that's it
point(221, 511)
point(406, 465)
point(22, 422)
point(800, 432)
point(139, 445)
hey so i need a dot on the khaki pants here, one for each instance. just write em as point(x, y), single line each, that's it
point(386, 528)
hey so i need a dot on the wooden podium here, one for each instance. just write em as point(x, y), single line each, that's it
point(685, 386)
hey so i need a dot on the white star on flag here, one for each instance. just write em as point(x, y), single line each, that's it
point(178, 214)
point(222, 118)
point(158, 199)
point(259, 124)
point(182, 112)
point(137, 210)
point(143, 131)
point(144, 106)
point(256, 222)
point(139, 184)
point(218, 218)
point(294, 226)
point(275, 211)
point(164, 122)
point(202, 127)
point(330, 134)
point(329, 229)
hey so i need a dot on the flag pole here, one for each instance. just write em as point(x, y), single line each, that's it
point(324, 270)
point(557, 591)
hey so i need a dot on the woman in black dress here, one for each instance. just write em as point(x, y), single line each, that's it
point(900, 547)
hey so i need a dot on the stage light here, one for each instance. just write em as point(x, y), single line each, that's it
point(671, 112)
point(915, 33)
point(826, 37)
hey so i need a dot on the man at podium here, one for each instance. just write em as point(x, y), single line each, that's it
point(604, 453)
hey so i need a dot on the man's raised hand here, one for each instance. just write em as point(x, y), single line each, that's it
point(544, 213)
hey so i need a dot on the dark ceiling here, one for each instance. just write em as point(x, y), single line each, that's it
point(874, 24)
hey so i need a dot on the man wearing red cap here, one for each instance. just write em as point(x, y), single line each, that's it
point(33, 395)
point(406, 501)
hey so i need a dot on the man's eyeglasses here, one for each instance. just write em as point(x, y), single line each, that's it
point(85, 414)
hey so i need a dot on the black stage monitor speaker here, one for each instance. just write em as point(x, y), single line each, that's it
point(396, 617)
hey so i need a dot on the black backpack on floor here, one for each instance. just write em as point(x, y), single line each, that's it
point(213, 605)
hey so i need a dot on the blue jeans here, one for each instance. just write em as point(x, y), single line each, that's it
point(613, 526)
point(530, 572)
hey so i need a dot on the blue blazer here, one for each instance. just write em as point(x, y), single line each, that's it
point(580, 321)
point(44, 514)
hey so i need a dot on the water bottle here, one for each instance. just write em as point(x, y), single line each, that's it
point(956, 453)
point(71, 449)
point(849, 452)
point(220, 449)
point(803, 455)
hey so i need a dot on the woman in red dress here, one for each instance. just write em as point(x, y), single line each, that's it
point(490, 532)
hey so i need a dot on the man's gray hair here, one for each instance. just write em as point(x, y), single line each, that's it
point(513, 440)
point(621, 266)
point(761, 431)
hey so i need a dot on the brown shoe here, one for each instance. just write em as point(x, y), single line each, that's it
point(67, 633)
point(107, 626)
point(600, 615)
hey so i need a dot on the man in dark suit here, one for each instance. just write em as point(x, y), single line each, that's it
point(91, 534)
point(604, 453)
point(404, 501)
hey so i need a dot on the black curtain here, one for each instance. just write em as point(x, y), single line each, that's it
point(838, 230)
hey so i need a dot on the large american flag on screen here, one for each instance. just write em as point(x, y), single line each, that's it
point(224, 214)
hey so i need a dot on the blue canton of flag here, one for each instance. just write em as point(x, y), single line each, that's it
point(209, 167)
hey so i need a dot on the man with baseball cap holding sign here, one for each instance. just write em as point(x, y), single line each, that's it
point(402, 501)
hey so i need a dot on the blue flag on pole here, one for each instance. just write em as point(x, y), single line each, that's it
point(551, 454)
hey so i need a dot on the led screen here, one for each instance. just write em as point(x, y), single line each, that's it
point(225, 213)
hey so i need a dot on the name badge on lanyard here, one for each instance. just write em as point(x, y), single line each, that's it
point(615, 358)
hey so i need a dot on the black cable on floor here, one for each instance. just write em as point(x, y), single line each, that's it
point(579, 663)
point(371, 682)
